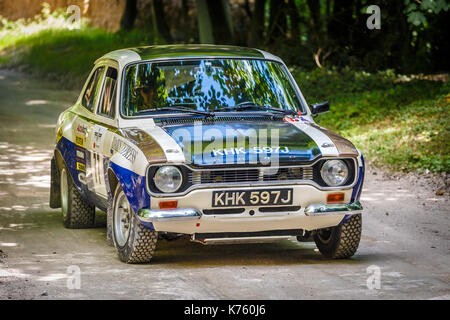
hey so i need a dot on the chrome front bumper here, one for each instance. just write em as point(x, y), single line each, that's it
point(182, 214)
point(185, 214)
point(333, 209)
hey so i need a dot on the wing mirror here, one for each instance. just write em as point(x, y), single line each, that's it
point(321, 107)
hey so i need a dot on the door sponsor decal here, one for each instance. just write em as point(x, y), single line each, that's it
point(98, 136)
point(127, 151)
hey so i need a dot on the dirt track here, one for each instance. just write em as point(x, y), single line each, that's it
point(406, 234)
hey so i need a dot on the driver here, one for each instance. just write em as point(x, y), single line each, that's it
point(148, 96)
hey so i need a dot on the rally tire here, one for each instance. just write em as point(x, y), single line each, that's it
point(109, 222)
point(140, 243)
point(342, 241)
point(77, 214)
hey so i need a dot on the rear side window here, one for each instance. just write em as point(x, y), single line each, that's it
point(90, 93)
point(108, 99)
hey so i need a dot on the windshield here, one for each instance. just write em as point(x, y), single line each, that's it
point(207, 85)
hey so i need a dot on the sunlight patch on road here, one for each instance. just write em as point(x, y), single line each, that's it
point(51, 126)
point(38, 157)
point(36, 102)
point(24, 167)
point(8, 244)
point(19, 208)
point(53, 277)
point(37, 181)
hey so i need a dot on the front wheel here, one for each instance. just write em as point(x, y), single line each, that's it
point(341, 241)
point(134, 242)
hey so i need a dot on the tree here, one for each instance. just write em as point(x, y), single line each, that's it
point(295, 20)
point(161, 24)
point(257, 23)
point(204, 22)
point(277, 22)
point(129, 15)
point(219, 12)
point(214, 21)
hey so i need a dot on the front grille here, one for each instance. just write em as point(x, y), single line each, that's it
point(250, 175)
point(194, 178)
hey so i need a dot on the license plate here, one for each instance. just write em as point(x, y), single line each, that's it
point(239, 198)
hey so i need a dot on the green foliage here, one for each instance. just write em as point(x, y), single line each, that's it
point(415, 11)
point(49, 45)
point(396, 121)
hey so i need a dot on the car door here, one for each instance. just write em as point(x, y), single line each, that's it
point(82, 126)
point(102, 132)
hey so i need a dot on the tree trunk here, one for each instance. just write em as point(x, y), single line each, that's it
point(129, 15)
point(204, 22)
point(257, 23)
point(161, 24)
point(277, 22)
point(295, 20)
point(186, 20)
point(219, 12)
point(342, 24)
point(315, 24)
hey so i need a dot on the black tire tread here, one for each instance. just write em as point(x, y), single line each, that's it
point(141, 243)
point(80, 215)
point(346, 238)
point(349, 238)
point(143, 246)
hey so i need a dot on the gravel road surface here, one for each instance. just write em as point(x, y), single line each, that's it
point(404, 251)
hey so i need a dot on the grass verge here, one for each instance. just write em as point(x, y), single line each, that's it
point(397, 122)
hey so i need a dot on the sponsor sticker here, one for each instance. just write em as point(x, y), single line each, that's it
point(81, 167)
point(98, 137)
point(80, 154)
point(59, 135)
point(79, 141)
point(127, 151)
point(82, 129)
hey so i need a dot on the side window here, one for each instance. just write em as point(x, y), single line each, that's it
point(91, 89)
point(108, 98)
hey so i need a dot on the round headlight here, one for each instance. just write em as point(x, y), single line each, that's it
point(334, 172)
point(168, 179)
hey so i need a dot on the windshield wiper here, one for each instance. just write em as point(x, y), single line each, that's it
point(188, 110)
point(248, 105)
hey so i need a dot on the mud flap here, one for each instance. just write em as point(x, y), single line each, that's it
point(55, 191)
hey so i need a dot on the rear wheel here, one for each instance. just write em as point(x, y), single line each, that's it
point(134, 242)
point(77, 214)
point(341, 241)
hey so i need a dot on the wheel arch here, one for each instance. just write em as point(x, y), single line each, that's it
point(132, 183)
point(112, 182)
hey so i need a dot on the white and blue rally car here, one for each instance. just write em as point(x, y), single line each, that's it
point(212, 142)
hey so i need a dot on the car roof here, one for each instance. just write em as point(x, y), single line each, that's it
point(128, 55)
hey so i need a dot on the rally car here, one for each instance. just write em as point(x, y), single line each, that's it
point(214, 143)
